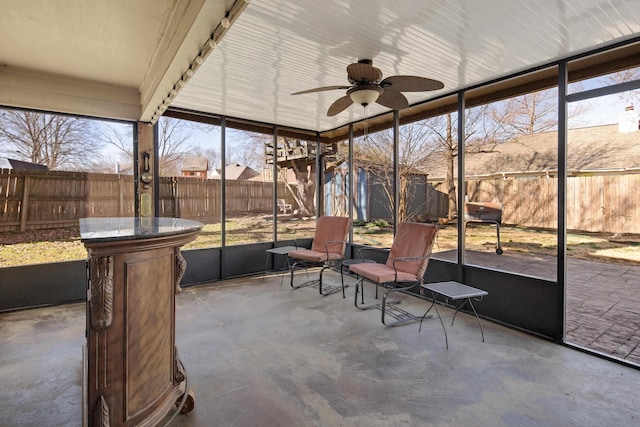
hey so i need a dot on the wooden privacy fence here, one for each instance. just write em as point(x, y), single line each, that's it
point(201, 199)
point(31, 200)
point(35, 200)
point(595, 203)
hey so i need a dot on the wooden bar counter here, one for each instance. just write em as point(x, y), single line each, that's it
point(133, 375)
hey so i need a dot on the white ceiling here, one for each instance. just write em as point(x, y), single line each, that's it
point(120, 58)
point(278, 47)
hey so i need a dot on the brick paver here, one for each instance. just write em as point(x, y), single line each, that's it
point(602, 300)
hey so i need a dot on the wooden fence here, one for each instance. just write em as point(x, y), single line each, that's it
point(31, 200)
point(36, 200)
point(595, 203)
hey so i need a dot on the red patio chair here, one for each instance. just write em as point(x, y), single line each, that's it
point(404, 269)
point(327, 249)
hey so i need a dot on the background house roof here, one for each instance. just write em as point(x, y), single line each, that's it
point(6, 163)
point(590, 149)
point(195, 164)
point(238, 173)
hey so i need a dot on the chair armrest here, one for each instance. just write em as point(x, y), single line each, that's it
point(331, 242)
point(406, 259)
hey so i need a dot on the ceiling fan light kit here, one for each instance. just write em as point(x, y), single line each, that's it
point(365, 95)
point(367, 87)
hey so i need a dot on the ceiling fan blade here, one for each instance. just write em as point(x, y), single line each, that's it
point(320, 89)
point(339, 105)
point(363, 72)
point(411, 83)
point(393, 99)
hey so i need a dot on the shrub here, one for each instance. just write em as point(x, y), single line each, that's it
point(381, 223)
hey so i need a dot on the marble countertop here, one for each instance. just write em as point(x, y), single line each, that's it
point(131, 228)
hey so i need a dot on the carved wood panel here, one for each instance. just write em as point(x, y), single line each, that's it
point(101, 291)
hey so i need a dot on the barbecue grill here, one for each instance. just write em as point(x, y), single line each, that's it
point(485, 213)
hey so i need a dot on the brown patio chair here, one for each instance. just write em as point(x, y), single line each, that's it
point(327, 250)
point(403, 271)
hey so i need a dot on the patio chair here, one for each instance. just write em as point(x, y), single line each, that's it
point(403, 271)
point(282, 206)
point(327, 249)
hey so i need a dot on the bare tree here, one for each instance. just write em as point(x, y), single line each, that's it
point(631, 97)
point(374, 153)
point(211, 154)
point(250, 149)
point(247, 149)
point(481, 135)
point(532, 112)
point(526, 114)
point(445, 136)
point(114, 136)
point(304, 190)
point(175, 141)
point(304, 170)
point(120, 138)
point(56, 141)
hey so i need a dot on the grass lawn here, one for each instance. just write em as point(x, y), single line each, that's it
point(42, 246)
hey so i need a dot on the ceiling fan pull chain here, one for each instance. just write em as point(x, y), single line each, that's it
point(365, 135)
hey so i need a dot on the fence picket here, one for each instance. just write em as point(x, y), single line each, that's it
point(36, 199)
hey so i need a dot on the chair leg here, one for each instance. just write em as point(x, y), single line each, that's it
point(320, 278)
point(342, 280)
point(291, 268)
point(332, 289)
point(356, 293)
point(401, 316)
point(383, 307)
point(360, 290)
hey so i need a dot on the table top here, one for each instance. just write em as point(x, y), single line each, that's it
point(282, 250)
point(454, 290)
point(131, 228)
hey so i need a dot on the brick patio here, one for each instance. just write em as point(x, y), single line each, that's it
point(603, 300)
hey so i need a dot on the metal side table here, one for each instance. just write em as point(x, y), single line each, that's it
point(454, 291)
point(271, 253)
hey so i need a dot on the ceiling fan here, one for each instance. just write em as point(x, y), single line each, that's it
point(367, 86)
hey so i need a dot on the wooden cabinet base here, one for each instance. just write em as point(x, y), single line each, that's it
point(134, 374)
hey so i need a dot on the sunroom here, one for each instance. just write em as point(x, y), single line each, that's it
point(535, 114)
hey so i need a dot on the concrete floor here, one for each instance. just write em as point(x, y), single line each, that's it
point(258, 354)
